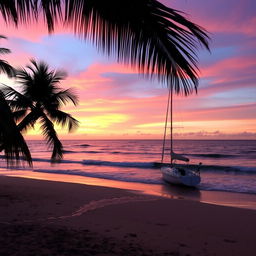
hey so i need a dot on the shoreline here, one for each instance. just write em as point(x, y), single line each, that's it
point(222, 198)
point(60, 218)
point(237, 200)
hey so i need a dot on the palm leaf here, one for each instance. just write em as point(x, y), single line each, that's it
point(39, 80)
point(57, 76)
point(52, 138)
point(9, 10)
point(6, 68)
point(24, 78)
point(11, 140)
point(24, 10)
point(64, 119)
point(157, 39)
point(19, 114)
point(4, 50)
point(51, 10)
point(29, 120)
point(15, 99)
point(64, 96)
point(161, 42)
point(42, 69)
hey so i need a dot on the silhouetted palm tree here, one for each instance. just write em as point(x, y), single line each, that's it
point(40, 101)
point(157, 39)
point(5, 67)
point(11, 140)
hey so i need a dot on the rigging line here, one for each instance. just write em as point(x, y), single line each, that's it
point(166, 120)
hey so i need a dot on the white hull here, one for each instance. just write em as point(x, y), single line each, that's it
point(175, 176)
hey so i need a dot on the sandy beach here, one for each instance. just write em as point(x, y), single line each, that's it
point(56, 218)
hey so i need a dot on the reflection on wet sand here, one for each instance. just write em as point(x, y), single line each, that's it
point(180, 192)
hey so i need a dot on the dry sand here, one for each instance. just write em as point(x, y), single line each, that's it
point(55, 218)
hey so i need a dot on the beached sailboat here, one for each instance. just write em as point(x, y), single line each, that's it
point(172, 172)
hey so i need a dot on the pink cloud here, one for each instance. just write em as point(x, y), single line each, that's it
point(220, 16)
point(33, 31)
point(236, 112)
point(228, 74)
point(92, 83)
point(228, 67)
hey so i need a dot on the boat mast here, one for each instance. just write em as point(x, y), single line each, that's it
point(166, 121)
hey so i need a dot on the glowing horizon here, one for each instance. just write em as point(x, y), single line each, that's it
point(116, 103)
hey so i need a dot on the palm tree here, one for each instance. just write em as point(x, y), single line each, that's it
point(5, 67)
point(160, 41)
point(11, 140)
point(40, 101)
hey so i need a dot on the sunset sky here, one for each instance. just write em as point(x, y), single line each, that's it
point(116, 103)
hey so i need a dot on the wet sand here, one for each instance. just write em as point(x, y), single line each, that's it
point(55, 218)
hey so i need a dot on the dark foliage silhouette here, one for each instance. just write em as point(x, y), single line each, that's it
point(12, 142)
point(40, 101)
point(5, 67)
point(160, 41)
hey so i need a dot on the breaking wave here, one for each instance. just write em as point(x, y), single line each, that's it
point(121, 164)
point(104, 175)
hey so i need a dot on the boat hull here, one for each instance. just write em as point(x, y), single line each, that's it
point(174, 175)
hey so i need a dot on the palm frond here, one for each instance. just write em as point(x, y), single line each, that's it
point(9, 11)
point(42, 69)
point(158, 40)
point(19, 114)
point(22, 11)
point(64, 96)
point(64, 119)
point(24, 78)
point(4, 50)
point(11, 140)
point(15, 99)
point(52, 138)
point(52, 11)
point(38, 77)
point(33, 81)
point(29, 121)
point(6, 68)
point(9, 92)
point(58, 75)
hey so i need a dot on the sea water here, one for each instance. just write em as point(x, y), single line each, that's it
point(228, 165)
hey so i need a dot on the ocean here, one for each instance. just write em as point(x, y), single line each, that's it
point(227, 166)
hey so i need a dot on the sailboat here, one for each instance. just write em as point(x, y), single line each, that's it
point(172, 172)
